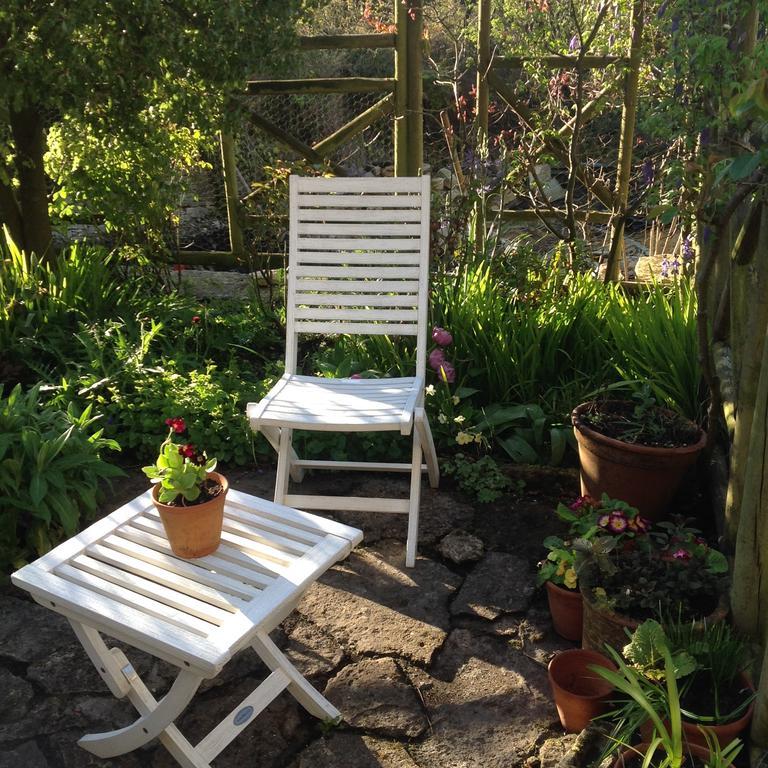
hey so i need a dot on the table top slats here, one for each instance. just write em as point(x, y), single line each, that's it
point(125, 596)
point(286, 549)
point(254, 553)
point(121, 577)
point(152, 589)
point(214, 588)
point(243, 514)
point(248, 576)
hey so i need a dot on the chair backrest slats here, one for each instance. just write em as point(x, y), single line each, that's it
point(358, 259)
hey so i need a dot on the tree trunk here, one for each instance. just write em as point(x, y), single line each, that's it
point(28, 132)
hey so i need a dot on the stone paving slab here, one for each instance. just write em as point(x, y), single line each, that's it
point(372, 605)
point(440, 666)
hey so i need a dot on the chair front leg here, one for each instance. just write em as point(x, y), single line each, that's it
point(283, 464)
point(415, 499)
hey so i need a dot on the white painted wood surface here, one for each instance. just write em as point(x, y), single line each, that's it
point(358, 264)
point(120, 577)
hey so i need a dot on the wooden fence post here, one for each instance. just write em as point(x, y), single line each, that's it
point(229, 165)
point(483, 62)
point(401, 90)
point(626, 142)
point(415, 100)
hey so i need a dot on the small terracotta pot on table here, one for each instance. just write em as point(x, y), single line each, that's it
point(194, 531)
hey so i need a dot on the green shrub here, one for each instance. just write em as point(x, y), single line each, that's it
point(50, 468)
point(212, 403)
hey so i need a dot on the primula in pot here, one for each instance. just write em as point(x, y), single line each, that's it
point(586, 519)
point(671, 570)
point(188, 494)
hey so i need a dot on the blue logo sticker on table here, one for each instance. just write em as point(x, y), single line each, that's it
point(243, 716)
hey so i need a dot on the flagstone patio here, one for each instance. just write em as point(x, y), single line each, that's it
point(441, 666)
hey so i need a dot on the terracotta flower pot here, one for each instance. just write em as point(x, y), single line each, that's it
point(194, 531)
point(580, 694)
point(603, 626)
point(644, 477)
point(727, 732)
point(629, 757)
point(566, 610)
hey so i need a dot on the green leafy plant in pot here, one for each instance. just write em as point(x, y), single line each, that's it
point(188, 494)
point(636, 451)
point(586, 518)
point(650, 683)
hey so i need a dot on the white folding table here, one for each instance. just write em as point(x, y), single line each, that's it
point(120, 577)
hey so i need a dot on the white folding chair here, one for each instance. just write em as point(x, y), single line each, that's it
point(358, 264)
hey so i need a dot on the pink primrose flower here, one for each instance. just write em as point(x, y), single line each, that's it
point(681, 554)
point(604, 521)
point(436, 359)
point(441, 336)
point(447, 372)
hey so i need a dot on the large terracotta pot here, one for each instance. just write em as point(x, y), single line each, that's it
point(727, 732)
point(603, 626)
point(644, 477)
point(566, 610)
point(629, 757)
point(194, 531)
point(580, 694)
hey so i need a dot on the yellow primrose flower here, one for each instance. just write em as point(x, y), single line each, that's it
point(479, 437)
point(456, 399)
point(463, 438)
point(442, 418)
point(429, 390)
point(459, 419)
point(560, 569)
point(570, 579)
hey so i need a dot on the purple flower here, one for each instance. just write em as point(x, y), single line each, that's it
point(441, 336)
point(675, 24)
point(575, 44)
point(355, 376)
point(436, 359)
point(665, 267)
point(662, 9)
point(447, 372)
point(681, 554)
point(688, 249)
point(618, 522)
point(705, 136)
point(676, 266)
point(648, 172)
point(604, 521)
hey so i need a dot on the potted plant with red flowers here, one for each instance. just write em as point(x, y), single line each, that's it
point(637, 451)
point(670, 572)
point(188, 494)
point(610, 518)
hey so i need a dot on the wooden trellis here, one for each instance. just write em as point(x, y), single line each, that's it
point(493, 74)
point(401, 96)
